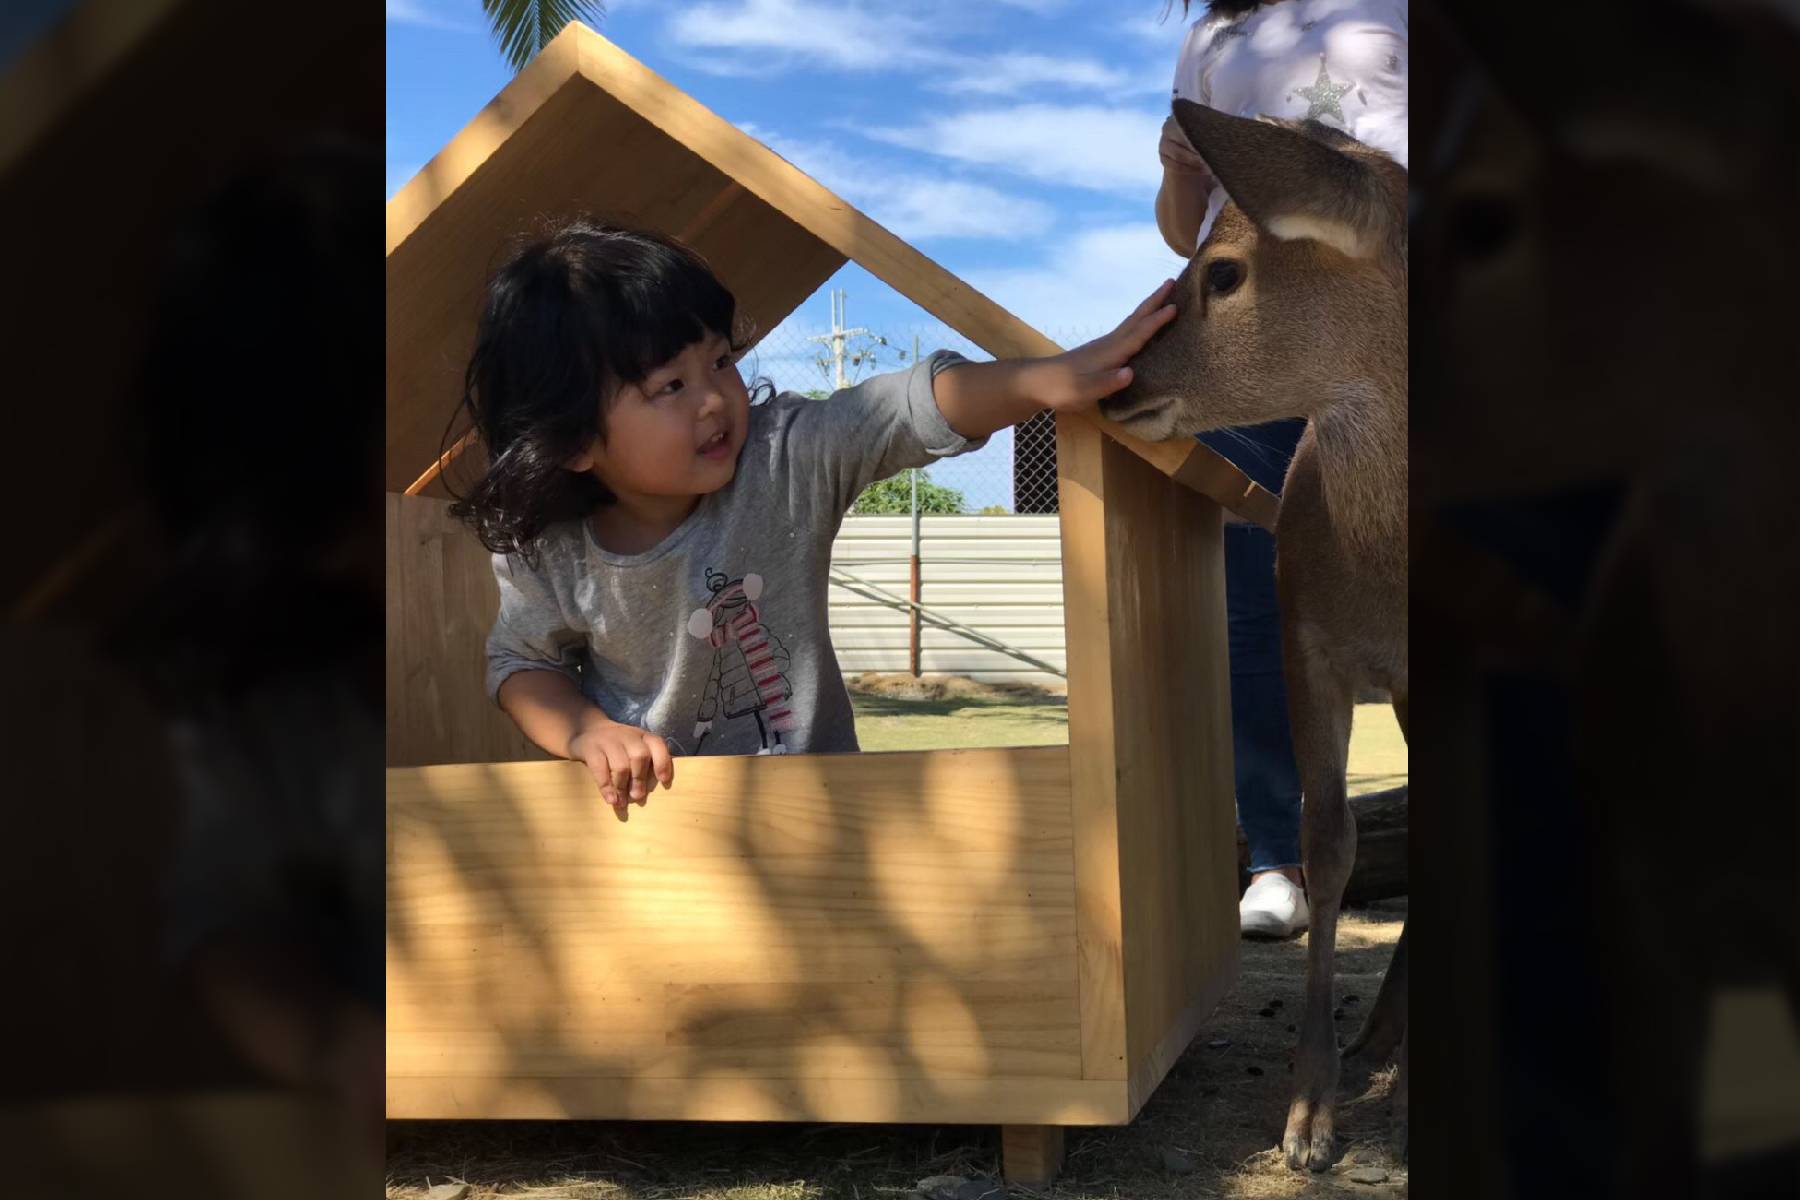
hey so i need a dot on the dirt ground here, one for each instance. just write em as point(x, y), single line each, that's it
point(1209, 1131)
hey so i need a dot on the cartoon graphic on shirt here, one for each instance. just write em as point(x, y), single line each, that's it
point(747, 678)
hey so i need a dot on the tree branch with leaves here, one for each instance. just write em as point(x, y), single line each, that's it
point(525, 27)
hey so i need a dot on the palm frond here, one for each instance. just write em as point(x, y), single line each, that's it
point(524, 27)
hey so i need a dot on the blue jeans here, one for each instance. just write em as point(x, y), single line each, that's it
point(1267, 781)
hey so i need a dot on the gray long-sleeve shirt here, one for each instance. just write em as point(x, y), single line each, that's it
point(718, 638)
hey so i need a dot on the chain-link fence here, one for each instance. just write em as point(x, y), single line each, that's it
point(853, 329)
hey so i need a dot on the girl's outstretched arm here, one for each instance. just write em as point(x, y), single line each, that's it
point(979, 398)
point(627, 762)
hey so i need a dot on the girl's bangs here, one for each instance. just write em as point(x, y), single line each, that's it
point(658, 319)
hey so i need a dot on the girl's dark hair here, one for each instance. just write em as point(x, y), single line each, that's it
point(1230, 8)
point(570, 318)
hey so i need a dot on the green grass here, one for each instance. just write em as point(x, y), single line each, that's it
point(1377, 751)
point(893, 723)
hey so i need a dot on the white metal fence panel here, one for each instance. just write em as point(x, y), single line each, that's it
point(999, 575)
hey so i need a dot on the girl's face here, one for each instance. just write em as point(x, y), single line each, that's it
point(678, 432)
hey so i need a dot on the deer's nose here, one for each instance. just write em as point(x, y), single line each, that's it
point(1123, 400)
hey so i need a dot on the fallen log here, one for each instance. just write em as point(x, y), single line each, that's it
point(1380, 870)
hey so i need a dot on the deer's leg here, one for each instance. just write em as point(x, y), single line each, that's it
point(1397, 1098)
point(1319, 701)
point(1383, 1032)
point(1385, 1026)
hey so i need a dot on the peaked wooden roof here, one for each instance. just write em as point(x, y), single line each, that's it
point(587, 128)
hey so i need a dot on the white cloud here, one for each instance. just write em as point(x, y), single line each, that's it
point(916, 206)
point(1013, 74)
point(1107, 149)
point(754, 37)
point(849, 37)
point(1086, 284)
point(424, 13)
point(920, 207)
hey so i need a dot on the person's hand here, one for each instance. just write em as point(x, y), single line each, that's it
point(627, 763)
point(1081, 378)
point(1176, 152)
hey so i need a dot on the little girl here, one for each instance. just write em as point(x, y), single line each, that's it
point(662, 543)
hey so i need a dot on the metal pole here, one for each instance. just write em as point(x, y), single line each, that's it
point(914, 642)
point(837, 339)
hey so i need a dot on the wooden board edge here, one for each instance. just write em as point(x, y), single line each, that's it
point(1007, 1101)
point(1147, 1074)
point(1210, 473)
point(808, 203)
point(528, 91)
point(1093, 766)
point(556, 772)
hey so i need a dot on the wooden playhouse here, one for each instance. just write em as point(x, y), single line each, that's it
point(1021, 937)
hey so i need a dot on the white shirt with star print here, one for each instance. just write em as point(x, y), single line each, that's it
point(1340, 62)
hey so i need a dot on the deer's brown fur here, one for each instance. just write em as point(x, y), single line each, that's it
point(1314, 326)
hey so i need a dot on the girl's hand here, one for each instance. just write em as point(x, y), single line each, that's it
point(1176, 152)
point(1082, 377)
point(627, 763)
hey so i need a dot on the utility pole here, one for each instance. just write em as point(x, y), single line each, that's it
point(914, 614)
point(838, 337)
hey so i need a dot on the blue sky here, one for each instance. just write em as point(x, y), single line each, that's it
point(1013, 141)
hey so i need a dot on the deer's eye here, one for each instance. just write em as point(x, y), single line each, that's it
point(1223, 276)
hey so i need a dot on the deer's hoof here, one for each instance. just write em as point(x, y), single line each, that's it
point(1310, 1152)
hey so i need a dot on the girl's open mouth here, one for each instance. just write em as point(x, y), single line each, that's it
point(717, 446)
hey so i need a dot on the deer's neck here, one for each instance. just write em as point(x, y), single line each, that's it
point(1360, 438)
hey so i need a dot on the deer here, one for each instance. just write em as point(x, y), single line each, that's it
point(1295, 305)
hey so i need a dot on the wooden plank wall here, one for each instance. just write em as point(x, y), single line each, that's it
point(441, 600)
point(1150, 737)
point(1001, 575)
point(880, 937)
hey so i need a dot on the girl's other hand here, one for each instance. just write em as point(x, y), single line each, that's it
point(627, 763)
point(1082, 377)
point(1176, 152)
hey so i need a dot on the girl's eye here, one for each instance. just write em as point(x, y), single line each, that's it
point(669, 388)
point(724, 361)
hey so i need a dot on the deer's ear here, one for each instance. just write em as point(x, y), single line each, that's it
point(1291, 184)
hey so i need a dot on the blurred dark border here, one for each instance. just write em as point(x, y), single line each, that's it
point(1603, 593)
point(1603, 422)
point(191, 314)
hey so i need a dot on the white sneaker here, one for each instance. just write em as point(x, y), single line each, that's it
point(1273, 907)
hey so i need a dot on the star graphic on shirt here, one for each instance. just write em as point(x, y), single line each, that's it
point(1323, 95)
